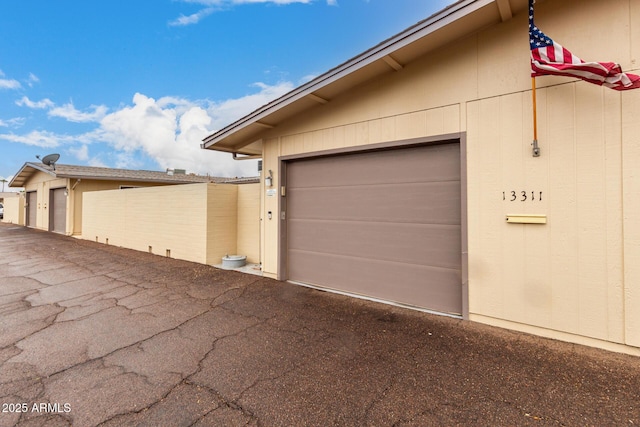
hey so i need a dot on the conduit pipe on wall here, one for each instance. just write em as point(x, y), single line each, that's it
point(246, 157)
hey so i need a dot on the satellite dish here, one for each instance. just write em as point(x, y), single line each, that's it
point(51, 159)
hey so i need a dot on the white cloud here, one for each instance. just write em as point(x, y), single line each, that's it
point(215, 5)
point(9, 84)
point(70, 113)
point(170, 130)
point(170, 137)
point(81, 153)
point(127, 161)
point(36, 138)
point(139, 126)
point(230, 110)
point(32, 79)
point(95, 161)
point(14, 84)
point(194, 18)
point(42, 104)
point(43, 138)
point(15, 122)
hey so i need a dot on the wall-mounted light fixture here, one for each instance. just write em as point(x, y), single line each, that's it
point(268, 181)
point(66, 192)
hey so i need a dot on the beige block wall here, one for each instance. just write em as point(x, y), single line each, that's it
point(195, 222)
point(222, 222)
point(248, 238)
point(155, 219)
point(575, 278)
point(74, 226)
point(14, 209)
point(43, 183)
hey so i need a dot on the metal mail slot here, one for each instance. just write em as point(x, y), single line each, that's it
point(527, 219)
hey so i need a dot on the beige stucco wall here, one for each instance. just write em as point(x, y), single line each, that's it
point(194, 222)
point(248, 239)
point(576, 278)
point(14, 209)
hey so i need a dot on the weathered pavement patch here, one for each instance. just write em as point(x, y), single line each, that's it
point(96, 335)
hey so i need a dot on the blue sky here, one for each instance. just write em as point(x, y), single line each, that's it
point(138, 83)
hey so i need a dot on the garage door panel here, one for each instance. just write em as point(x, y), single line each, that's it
point(437, 289)
point(383, 224)
point(58, 219)
point(32, 206)
point(433, 245)
point(431, 203)
point(443, 163)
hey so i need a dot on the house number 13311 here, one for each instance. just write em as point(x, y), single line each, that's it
point(522, 196)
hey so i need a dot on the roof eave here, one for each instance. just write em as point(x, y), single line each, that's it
point(23, 174)
point(129, 179)
point(379, 52)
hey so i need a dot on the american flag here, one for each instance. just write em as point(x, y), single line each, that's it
point(549, 58)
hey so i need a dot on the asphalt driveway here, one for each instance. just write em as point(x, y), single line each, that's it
point(97, 335)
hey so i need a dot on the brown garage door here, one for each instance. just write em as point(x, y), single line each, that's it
point(32, 208)
point(382, 224)
point(58, 211)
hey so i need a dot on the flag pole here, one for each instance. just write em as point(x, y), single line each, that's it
point(536, 149)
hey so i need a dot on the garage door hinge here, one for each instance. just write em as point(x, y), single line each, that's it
point(282, 215)
point(283, 191)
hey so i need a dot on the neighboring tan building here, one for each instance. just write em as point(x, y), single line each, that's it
point(13, 207)
point(53, 196)
point(406, 174)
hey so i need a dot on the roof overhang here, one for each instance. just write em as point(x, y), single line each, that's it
point(458, 20)
point(26, 172)
point(105, 174)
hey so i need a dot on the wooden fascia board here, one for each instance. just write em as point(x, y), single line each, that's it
point(25, 172)
point(377, 53)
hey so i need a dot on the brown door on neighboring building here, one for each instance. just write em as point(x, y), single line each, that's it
point(382, 224)
point(32, 208)
point(58, 210)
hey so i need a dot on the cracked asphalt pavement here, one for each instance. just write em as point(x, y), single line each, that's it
point(98, 335)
